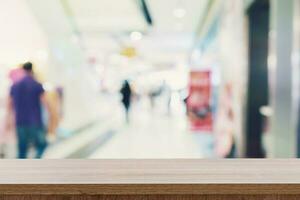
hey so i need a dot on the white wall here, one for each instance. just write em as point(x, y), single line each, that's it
point(68, 65)
point(20, 36)
point(234, 62)
point(21, 39)
point(39, 31)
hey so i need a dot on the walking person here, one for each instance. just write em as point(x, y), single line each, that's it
point(166, 93)
point(126, 93)
point(25, 102)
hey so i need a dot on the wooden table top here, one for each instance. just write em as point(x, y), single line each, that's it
point(149, 176)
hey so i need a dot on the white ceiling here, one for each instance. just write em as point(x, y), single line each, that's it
point(17, 43)
point(98, 16)
point(162, 12)
point(102, 27)
point(105, 25)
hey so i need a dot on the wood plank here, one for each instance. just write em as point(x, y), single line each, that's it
point(149, 171)
point(153, 197)
point(154, 189)
point(144, 177)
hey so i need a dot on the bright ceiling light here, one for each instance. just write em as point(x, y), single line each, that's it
point(179, 12)
point(136, 36)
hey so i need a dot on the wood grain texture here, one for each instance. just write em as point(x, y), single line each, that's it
point(154, 189)
point(149, 177)
point(149, 171)
point(154, 197)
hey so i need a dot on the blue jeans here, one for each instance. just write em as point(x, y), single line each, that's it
point(31, 136)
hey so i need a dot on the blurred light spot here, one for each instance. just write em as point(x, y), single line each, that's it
point(272, 61)
point(179, 12)
point(266, 111)
point(48, 86)
point(136, 36)
point(196, 56)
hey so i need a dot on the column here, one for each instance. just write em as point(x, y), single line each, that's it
point(283, 128)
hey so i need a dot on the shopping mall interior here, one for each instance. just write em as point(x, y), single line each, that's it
point(151, 78)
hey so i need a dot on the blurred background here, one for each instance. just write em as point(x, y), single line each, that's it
point(153, 78)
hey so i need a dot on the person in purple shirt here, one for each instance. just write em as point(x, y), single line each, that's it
point(26, 99)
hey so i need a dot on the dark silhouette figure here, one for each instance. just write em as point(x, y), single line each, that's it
point(126, 98)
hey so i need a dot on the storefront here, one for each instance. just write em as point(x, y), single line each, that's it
point(228, 61)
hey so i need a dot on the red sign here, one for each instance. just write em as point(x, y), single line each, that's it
point(199, 101)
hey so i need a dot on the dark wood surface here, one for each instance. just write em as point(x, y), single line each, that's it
point(152, 189)
point(152, 197)
point(150, 179)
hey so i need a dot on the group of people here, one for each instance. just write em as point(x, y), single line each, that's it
point(127, 94)
point(25, 107)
